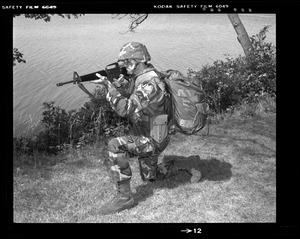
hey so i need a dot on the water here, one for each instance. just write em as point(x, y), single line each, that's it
point(53, 50)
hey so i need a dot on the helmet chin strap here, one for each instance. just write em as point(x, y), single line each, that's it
point(135, 67)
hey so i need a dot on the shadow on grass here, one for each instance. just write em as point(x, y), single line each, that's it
point(238, 144)
point(215, 170)
point(211, 170)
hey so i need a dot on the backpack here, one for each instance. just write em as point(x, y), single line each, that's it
point(189, 109)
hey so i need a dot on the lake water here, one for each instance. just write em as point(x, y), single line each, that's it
point(53, 50)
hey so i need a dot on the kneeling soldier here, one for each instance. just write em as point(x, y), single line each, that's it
point(145, 101)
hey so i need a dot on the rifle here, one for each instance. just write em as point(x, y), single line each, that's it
point(112, 71)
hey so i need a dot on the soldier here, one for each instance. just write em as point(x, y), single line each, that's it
point(145, 101)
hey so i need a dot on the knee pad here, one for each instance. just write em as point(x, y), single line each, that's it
point(113, 145)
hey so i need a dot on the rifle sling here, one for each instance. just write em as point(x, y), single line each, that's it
point(81, 86)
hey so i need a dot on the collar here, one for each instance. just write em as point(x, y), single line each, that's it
point(142, 69)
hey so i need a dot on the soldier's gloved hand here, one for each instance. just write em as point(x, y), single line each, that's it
point(102, 80)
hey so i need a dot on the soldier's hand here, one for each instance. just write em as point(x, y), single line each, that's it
point(101, 80)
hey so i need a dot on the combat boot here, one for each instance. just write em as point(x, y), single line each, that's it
point(122, 201)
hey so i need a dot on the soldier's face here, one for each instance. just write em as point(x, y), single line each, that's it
point(129, 65)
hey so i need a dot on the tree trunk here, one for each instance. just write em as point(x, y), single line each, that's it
point(242, 37)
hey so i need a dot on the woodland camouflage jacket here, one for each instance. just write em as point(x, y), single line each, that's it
point(143, 97)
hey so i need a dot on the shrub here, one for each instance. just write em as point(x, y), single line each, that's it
point(235, 80)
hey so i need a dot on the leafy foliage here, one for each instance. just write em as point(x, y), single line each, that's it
point(93, 122)
point(234, 81)
point(47, 17)
point(17, 57)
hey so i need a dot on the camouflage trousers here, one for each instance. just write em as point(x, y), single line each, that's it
point(145, 148)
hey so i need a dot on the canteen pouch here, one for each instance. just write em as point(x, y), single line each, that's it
point(159, 127)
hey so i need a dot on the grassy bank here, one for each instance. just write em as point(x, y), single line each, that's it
point(238, 165)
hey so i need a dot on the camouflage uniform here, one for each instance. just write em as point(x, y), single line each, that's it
point(147, 107)
point(146, 103)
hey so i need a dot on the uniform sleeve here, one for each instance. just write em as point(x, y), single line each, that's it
point(145, 94)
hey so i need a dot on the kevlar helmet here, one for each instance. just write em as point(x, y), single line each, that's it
point(136, 51)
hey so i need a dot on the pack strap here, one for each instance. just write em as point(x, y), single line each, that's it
point(162, 75)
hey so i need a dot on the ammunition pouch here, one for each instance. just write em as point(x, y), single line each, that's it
point(159, 127)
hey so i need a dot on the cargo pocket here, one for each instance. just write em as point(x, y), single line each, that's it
point(159, 127)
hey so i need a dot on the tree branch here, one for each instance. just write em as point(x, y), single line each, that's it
point(135, 20)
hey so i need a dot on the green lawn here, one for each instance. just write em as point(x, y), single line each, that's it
point(238, 164)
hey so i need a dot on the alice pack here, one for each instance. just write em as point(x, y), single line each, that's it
point(190, 110)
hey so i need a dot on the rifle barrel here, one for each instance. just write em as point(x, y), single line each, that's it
point(66, 82)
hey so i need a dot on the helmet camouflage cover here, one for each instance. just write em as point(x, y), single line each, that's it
point(134, 50)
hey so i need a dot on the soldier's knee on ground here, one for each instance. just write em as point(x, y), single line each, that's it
point(113, 145)
point(148, 168)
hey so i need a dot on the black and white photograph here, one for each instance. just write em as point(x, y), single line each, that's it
point(144, 118)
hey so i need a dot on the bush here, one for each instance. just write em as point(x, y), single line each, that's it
point(231, 82)
point(93, 122)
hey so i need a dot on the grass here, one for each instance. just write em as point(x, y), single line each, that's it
point(238, 165)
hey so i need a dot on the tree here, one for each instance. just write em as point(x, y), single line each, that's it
point(242, 37)
point(18, 56)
